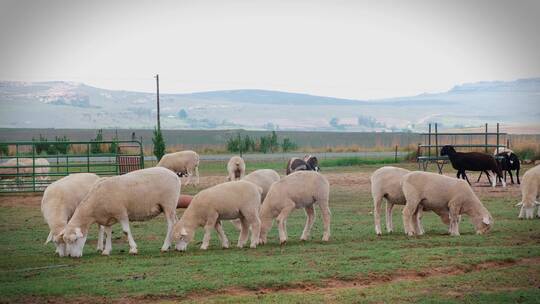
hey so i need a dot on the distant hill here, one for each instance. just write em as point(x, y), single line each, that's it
point(75, 105)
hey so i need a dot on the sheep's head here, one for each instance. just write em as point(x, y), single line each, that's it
point(312, 162)
point(59, 244)
point(74, 239)
point(447, 150)
point(182, 235)
point(483, 224)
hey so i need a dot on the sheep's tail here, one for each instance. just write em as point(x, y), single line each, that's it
point(49, 238)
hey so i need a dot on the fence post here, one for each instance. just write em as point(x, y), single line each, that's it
point(429, 140)
point(87, 157)
point(486, 141)
point(497, 137)
point(395, 155)
point(436, 141)
point(33, 167)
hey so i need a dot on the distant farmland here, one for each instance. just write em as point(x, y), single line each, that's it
point(216, 139)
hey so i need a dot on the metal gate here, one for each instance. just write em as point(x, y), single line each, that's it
point(31, 166)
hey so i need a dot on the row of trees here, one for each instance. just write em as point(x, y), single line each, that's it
point(264, 144)
point(62, 145)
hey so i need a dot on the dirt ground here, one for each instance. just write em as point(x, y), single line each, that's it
point(357, 181)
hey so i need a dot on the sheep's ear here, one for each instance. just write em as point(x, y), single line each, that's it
point(486, 220)
point(49, 238)
point(78, 232)
point(519, 204)
point(60, 236)
point(183, 231)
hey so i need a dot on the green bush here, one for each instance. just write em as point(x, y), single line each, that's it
point(95, 147)
point(159, 144)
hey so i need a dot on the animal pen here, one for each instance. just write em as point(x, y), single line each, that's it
point(30, 166)
point(429, 150)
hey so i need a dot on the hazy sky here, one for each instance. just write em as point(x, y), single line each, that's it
point(354, 49)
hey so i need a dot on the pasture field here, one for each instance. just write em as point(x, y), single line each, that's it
point(355, 266)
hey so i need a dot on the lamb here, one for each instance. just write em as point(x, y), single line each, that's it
point(183, 163)
point(227, 201)
point(236, 168)
point(530, 192)
point(59, 202)
point(301, 189)
point(439, 193)
point(473, 161)
point(137, 196)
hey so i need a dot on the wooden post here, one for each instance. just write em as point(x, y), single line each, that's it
point(395, 155)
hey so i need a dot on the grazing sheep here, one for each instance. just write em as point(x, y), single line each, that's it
point(386, 183)
point(136, 196)
point(530, 192)
point(183, 163)
point(439, 193)
point(263, 178)
point(301, 189)
point(42, 168)
point(310, 163)
point(59, 202)
point(227, 201)
point(473, 161)
point(236, 168)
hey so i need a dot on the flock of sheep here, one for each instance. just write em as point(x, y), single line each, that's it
point(252, 202)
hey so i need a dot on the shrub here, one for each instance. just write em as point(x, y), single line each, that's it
point(159, 144)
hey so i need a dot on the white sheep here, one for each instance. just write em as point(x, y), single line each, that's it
point(300, 189)
point(236, 168)
point(530, 192)
point(386, 183)
point(136, 196)
point(59, 202)
point(263, 178)
point(27, 166)
point(182, 163)
point(500, 150)
point(227, 201)
point(442, 194)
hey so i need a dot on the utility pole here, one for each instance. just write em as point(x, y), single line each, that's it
point(157, 86)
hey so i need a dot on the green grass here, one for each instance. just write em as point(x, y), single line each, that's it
point(354, 253)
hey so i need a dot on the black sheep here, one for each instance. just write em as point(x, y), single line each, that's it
point(510, 161)
point(472, 161)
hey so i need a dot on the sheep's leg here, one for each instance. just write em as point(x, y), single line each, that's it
point(454, 219)
point(517, 176)
point(479, 176)
point(310, 218)
point(465, 177)
point(389, 221)
point(125, 227)
point(189, 173)
point(210, 224)
point(377, 201)
point(170, 215)
point(325, 212)
point(100, 238)
point(488, 177)
point(418, 229)
point(281, 218)
point(244, 233)
point(221, 234)
point(196, 175)
point(511, 177)
point(408, 213)
point(108, 240)
point(252, 221)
